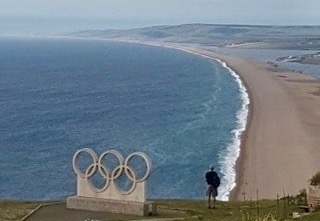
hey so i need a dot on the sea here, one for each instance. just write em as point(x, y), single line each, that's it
point(186, 112)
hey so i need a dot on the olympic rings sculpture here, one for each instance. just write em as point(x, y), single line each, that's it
point(111, 176)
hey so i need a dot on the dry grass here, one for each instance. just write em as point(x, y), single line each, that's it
point(15, 210)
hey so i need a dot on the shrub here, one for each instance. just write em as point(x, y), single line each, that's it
point(315, 180)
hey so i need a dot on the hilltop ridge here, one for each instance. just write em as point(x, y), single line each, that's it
point(244, 36)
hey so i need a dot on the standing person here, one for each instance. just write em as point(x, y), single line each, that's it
point(213, 181)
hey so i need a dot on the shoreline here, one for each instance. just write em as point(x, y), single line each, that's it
point(242, 123)
point(240, 132)
point(279, 148)
point(292, 156)
point(241, 129)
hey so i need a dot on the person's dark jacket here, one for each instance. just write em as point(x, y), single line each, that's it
point(212, 178)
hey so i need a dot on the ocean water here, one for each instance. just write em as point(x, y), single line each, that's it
point(59, 95)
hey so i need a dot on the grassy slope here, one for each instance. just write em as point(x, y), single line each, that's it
point(15, 210)
point(196, 210)
point(238, 210)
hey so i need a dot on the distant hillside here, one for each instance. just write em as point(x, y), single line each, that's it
point(282, 37)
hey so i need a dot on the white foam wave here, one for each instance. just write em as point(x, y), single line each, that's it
point(229, 157)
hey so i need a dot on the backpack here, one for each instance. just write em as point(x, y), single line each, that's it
point(216, 181)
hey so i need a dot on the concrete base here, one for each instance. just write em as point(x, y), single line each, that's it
point(112, 206)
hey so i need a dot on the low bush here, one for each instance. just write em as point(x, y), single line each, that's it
point(315, 180)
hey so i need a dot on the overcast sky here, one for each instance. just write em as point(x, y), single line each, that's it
point(83, 14)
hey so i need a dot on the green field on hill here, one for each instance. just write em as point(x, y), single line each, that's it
point(191, 210)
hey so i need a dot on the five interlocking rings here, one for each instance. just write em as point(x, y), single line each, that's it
point(111, 176)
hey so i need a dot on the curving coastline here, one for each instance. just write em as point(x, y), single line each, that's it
point(234, 149)
point(279, 148)
point(232, 152)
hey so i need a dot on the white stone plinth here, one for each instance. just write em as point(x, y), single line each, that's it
point(112, 192)
point(112, 206)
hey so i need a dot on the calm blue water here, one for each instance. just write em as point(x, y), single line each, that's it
point(57, 96)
